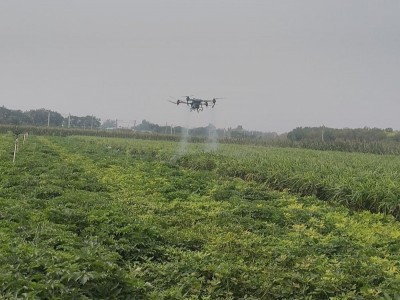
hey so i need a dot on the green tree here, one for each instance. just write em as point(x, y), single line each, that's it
point(109, 124)
point(40, 117)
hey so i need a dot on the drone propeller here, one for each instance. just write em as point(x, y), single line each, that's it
point(214, 100)
point(187, 98)
point(176, 102)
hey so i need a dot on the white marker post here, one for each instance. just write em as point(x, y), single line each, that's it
point(15, 149)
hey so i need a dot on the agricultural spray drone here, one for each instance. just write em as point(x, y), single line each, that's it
point(196, 104)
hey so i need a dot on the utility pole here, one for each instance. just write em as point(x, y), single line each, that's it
point(69, 120)
point(48, 119)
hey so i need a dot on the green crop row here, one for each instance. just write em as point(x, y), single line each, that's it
point(96, 218)
point(359, 181)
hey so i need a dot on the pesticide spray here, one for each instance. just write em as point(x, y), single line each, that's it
point(212, 136)
point(212, 141)
point(183, 144)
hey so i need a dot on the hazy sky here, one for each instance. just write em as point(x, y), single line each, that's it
point(279, 64)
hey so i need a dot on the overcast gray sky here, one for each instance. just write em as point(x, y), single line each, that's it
point(279, 64)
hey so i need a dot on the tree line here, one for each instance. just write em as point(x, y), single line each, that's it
point(210, 130)
point(45, 117)
point(367, 140)
point(325, 134)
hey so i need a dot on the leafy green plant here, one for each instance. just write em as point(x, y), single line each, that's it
point(79, 219)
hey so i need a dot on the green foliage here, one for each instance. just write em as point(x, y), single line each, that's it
point(330, 134)
point(44, 117)
point(357, 180)
point(366, 140)
point(198, 161)
point(89, 218)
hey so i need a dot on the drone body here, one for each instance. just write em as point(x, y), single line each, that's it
point(196, 104)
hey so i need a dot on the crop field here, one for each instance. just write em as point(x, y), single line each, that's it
point(102, 218)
